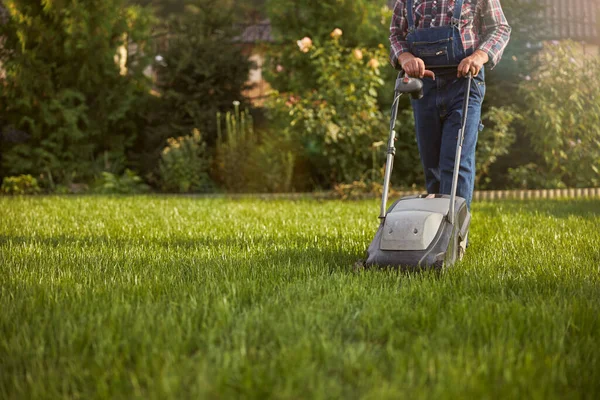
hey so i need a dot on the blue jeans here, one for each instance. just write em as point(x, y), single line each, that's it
point(438, 118)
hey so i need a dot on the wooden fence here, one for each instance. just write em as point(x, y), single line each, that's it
point(479, 195)
point(490, 195)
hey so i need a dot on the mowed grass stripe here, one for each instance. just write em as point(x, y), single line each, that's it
point(166, 297)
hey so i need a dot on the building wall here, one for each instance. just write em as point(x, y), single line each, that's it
point(259, 87)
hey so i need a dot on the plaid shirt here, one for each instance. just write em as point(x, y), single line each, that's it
point(482, 26)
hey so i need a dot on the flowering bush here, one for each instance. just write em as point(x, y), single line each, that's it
point(20, 185)
point(184, 165)
point(358, 23)
point(338, 120)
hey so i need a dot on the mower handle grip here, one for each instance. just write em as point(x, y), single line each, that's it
point(407, 85)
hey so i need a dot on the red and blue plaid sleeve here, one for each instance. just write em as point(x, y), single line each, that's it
point(494, 32)
point(398, 32)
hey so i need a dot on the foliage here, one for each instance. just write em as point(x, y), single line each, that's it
point(202, 73)
point(494, 141)
point(184, 165)
point(64, 86)
point(407, 163)
point(563, 119)
point(338, 123)
point(180, 298)
point(248, 161)
point(364, 23)
point(361, 20)
point(164, 9)
point(532, 176)
point(234, 149)
point(529, 26)
point(128, 183)
point(408, 171)
point(20, 185)
point(272, 165)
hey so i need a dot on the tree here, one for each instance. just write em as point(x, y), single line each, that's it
point(64, 90)
point(203, 72)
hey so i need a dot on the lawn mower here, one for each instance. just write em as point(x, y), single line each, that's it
point(427, 231)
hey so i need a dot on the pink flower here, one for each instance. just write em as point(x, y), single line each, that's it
point(358, 54)
point(373, 63)
point(279, 68)
point(337, 33)
point(305, 44)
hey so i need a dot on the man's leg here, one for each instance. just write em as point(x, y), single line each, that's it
point(452, 124)
point(428, 127)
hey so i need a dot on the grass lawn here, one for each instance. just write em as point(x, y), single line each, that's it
point(171, 297)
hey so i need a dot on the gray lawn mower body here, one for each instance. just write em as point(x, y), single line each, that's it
point(416, 233)
point(426, 231)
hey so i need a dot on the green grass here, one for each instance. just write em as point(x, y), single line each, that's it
point(170, 298)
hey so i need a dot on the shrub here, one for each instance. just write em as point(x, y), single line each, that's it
point(494, 141)
point(235, 145)
point(20, 185)
point(408, 171)
point(246, 161)
point(563, 119)
point(68, 95)
point(184, 165)
point(338, 122)
point(128, 183)
point(272, 165)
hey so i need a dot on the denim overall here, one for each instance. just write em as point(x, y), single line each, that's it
point(438, 115)
point(436, 45)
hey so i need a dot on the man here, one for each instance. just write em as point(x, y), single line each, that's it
point(426, 37)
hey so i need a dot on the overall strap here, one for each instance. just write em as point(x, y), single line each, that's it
point(457, 13)
point(410, 18)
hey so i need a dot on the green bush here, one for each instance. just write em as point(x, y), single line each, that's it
point(20, 185)
point(128, 183)
point(247, 161)
point(184, 165)
point(563, 119)
point(234, 147)
point(408, 171)
point(272, 165)
point(64, 90)
point(494, 141)
point(339, 119)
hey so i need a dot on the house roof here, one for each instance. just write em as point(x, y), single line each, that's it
point(255, 33)
point(573, 19)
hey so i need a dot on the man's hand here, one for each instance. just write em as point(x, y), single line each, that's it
point(414, 66)
point(472, 64)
